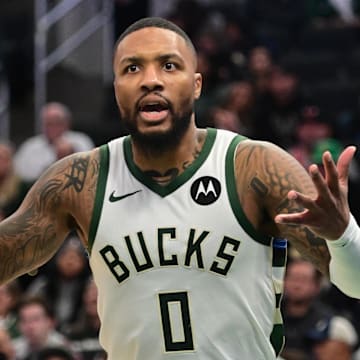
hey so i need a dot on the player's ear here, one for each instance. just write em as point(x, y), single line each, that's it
point(198, 85)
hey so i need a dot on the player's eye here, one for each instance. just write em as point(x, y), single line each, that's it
point(132, 68)
point(169, 66)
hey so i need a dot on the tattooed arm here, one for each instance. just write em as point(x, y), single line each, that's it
point(331, 200)
point(60, 201)
point(328, 214)
point(265, 174)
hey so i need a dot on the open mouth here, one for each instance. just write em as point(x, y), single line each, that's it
point(154, 111)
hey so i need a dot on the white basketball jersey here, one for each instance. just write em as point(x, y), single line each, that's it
point(181, 272)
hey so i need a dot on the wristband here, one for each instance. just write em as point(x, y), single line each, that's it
point(344, 265)
point(350, 233)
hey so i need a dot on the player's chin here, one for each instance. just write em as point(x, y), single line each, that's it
point(159, 127)
point(160, 137)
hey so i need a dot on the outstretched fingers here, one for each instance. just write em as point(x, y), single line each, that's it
point(343, 164)
point(330, 201)
point(293, 218)
point(331, 173)
point(337, 176)
point(321, 184)
point(302, 201)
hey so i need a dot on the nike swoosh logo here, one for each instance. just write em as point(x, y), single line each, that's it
point(114, 198)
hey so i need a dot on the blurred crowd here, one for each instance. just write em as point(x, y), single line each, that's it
point(277, 70)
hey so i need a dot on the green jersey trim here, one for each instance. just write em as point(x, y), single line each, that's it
point(233, 195)
point(277, 338)
point(279, 248)
point(179, 180)
point(99, 194)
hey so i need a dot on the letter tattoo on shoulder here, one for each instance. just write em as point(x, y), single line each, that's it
point(259, 187)
point(77, 176)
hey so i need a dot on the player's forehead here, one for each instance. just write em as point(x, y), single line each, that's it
point(153, 40)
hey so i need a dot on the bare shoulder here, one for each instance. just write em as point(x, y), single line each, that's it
point(67, 189)
point(265, 173)
point(270, 167)
point(60, 201)
point(78, 187)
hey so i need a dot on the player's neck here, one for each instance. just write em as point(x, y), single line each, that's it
point(165, 166)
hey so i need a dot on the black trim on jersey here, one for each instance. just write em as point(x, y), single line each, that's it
point(179, 180)
point(100, 193)
point(234, 198)
point(277, 338)
point(279, 252)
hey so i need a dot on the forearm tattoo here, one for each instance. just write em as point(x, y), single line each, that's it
point(24, 251)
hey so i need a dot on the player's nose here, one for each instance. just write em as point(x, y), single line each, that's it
point(151, 79)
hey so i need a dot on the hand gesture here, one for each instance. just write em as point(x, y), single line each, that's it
point(328, 214)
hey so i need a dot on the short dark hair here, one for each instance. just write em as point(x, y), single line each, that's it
point(157, 22)
point(49, 352)
point(37, 300)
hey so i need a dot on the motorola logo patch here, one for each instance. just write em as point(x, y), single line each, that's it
point(205, 190)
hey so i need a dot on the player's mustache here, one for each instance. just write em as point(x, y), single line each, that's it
point(168, 102)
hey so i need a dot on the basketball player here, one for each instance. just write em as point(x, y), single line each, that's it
point(182, 224)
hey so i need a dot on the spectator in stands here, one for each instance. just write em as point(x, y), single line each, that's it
point(190, 15)
point(55, 353)
point(84, 333)
point(9, 297)
point(260, 66)
point(63, 282)
point(12, 188)
point(308, 133)
point(207, 67)
point(276, 24)
point(37, 326)
point(63, 147)
point(305, 315)
point(37, 153)
point(240, 101)
point(279, 111)
point(332, 338)
point(7, 351)
point(220, 118)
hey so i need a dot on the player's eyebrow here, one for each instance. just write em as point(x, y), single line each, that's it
point(165, 57)
point(130, 59)
point(160, 58)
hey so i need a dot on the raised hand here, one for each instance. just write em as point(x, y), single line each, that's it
point(328, 214)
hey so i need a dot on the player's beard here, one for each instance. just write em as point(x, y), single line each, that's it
point(161, 141)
